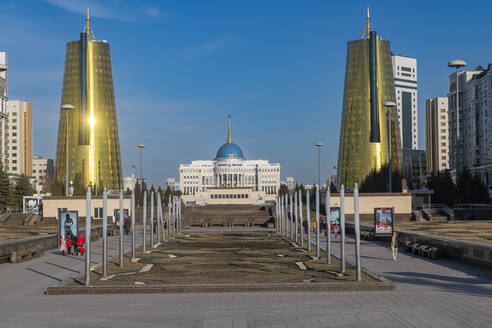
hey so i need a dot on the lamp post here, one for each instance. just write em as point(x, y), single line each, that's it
point(457, 63)
point(141, 147)
point(389, 105)
point(67, 108)
point(319, 145)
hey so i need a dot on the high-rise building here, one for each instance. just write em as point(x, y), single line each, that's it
point(19, 153)
point(437, 134)
point(364, 134)
point(93, 143)
point(414, 167)
point(3, 108)
point(405, 76)
point(475, 92)
point(42, 173)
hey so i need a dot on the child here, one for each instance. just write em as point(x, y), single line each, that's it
point(69, 246)
point(63, 245)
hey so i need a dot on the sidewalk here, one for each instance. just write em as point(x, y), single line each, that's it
point(431, 294)
point(415, 273)
point(52, 269)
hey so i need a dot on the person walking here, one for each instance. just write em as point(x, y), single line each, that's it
point(126, 226)
point(69, 245)
point(63, 245)
point(336, 229)
point(74, 245)
point(395, 241)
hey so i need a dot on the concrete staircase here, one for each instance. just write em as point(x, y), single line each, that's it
point(227, 216)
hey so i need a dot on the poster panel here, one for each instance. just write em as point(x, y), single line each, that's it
point(383, 221)
point(31, 204)
point(117, 216)
point(69, 223)
point(335, 215)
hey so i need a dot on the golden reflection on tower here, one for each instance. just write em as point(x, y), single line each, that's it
point(364, 128)
point(94, 151)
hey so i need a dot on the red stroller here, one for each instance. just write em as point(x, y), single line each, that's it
point(80, 244)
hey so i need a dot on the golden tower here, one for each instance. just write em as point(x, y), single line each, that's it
point(364, 131)
point(93, 143)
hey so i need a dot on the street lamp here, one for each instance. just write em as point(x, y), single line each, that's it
point(319, 145)
point(457, 63)
point(141, 146)
point(389, 105)
point(67, 108)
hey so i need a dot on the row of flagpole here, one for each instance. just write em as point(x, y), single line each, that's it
point(290, 223)
point(173, 226)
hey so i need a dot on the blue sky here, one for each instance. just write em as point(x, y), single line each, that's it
point(276, 66)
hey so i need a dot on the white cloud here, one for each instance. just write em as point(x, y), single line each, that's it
point(206, 48)
point(111, 9)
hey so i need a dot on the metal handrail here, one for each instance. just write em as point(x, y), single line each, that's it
point(5, 216)
point(434, 206)
point(472, 206)
point(28, 218)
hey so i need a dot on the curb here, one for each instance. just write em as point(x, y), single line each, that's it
point(224, 288)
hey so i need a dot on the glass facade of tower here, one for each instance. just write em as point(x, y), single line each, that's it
point(364, 131)
point(93, 142)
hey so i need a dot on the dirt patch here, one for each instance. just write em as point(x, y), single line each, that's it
point(225, 258)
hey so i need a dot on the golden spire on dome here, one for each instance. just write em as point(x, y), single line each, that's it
point(229, 137)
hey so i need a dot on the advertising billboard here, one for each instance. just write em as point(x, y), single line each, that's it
point(383, 221)
point(117, 216)
point(335, 215)
point(69, 223)
point(31, 204)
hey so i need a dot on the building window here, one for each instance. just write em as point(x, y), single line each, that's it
point(98, 212)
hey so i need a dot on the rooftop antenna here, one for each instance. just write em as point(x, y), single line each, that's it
point(88, 29)
point(229, 138)
point(367, 28)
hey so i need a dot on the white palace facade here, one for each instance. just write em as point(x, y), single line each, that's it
point(229, 179)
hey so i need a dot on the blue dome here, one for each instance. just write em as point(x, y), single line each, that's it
point(229, 150)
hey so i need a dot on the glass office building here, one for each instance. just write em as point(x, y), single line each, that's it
point(364, 133)
point(93, 142)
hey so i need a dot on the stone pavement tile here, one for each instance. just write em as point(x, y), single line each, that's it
point(278, 325)
point(208, 323)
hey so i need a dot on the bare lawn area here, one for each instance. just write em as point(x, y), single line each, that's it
point(223, 258)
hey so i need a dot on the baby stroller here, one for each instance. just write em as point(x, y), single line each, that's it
point(80, 245)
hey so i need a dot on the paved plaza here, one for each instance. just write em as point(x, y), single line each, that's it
point(438, 293)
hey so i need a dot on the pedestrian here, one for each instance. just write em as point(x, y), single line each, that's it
point(74, 245)
point(63, 245)
point(395, 241)
point(336, 229)
point(126, 227)
point(69, 245)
